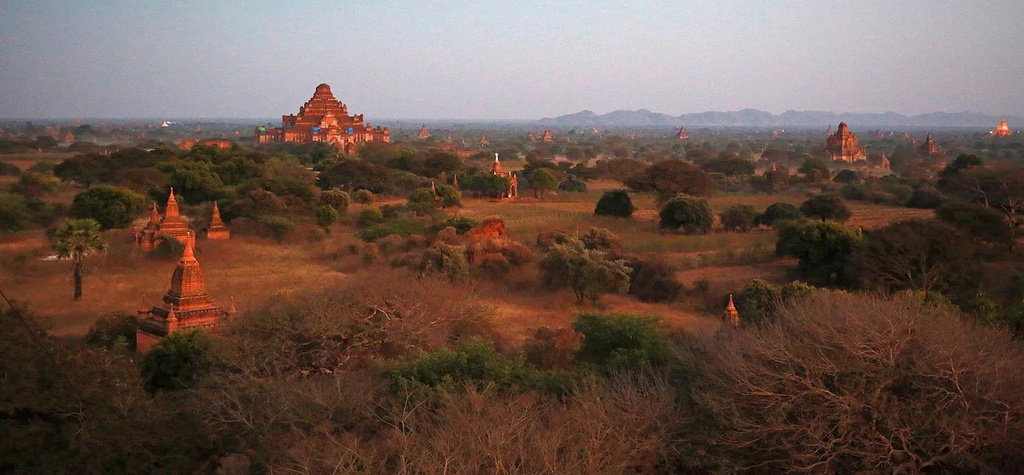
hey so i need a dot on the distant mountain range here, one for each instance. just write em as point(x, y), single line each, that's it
point(759, 118)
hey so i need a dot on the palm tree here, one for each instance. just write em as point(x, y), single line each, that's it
point(75, 240)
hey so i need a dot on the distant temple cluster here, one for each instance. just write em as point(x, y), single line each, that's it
point(324, 119)
point(546, 137)
point(186, 306)
point(843, 145)
point(187, 144)
point(174, 225)
point(1002, 130)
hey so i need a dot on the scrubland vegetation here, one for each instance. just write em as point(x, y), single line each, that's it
point(393, 323)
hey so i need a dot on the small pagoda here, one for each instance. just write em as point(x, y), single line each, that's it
point(483, 141)
point(531, 137)
point(929, 147)
point(513, 180)
point(424, 133)
point(172, 224)
point(1002, 130)
point(547, 137)
point(187, 305)
point(730, 314)
point(217, 230)
point(683, 134)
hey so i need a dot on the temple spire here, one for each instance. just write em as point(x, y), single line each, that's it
point(731, 314)
point(172, 206)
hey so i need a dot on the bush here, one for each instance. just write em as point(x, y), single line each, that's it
point(589, 273)
point(370, 216)
point(824, 250)
point(279, 227)
point(422, 195)
point(551, 348)
point(826, 207)
point(447, 260)
point(845, 371)
point(449, 196)
point(7, 169)
point(326, 215)
point(460, 223)
point(113, 331)
point(846, 176)
point(602, 239)
point(573, 184)
point(364, 197)
point(177, 361)
point(475, 363)
point(739, 218)
point(925, 197)
point(337, 199)
point(401, 227)
point(167, 248)
point(615, 203)
point(779, 212)
point(692, 214)
point(653, 281)
point(112, 207)
point(617, 341)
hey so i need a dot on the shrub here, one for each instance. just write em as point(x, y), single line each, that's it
point(422, 195)
point(177, 361)
point(982, 223)
point(113, 331)
point(826, 207)
point(475, 363)
point(692, 214)
point(447, 260)
point(602, 239)
point(739, 218)
point(925, 197)
point(615, 203)
point(279, 227)
point(616, 341)
point(337, 199)
point(589, 273)
point(449, 196)
point(546, 239)
point(363, 197)
point(573, 184)
point(167, 247)
point(846, 176)
point(370, 216)
point(653, 281)
point(460, 223)
point(779, 212)
point(8, 169)
point(844, 371)
point(552, 348)
point(326, 215)
point(824, 250)
point(401, 227)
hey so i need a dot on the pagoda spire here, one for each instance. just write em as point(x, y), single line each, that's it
point(172, 206)
point(731, 314)
point(154, 216)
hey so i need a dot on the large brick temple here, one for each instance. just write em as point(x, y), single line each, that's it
point(186, 306)
point(843, 145)
point(323, 119)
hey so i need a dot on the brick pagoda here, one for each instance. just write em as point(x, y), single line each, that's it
point(547, 137)
point(324, 119)
point(683, 134)
point(424, 133)
point(513, 181)
point(843, 145)
point(929, 147)
point(217, 230)
point(187, 305)
point(172, 224)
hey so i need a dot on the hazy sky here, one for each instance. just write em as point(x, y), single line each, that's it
point(511, 59)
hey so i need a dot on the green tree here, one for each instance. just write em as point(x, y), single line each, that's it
point(815, 169)
point(75, 240)
point(450, 197)
point(279, 227)
point(669, 178)
point(615, 203)
point(326, 215)
point(337, 199)
point(779, 212)
point(619, 341)
point(112, 207)
point(985, 225)
point(826, 207)
point(574, 184)
point(739, 218)
point(14, 212)
point(177, 361)
point(692, 214)
point(543, 180)
point(422, 195)
point(35, 185)
point(588, 272)
point(729, 166)
point(846, 176)
point(195, 182)
point(363, 197)
point(824, 250)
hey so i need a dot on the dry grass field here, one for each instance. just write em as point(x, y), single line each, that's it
point(251, 270)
